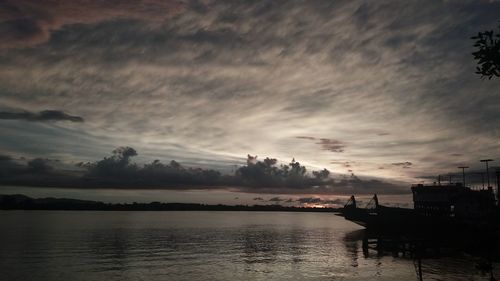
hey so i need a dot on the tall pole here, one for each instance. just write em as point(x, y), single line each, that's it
point(498, 184)
point(463, 173)
point(487, 169)
point(497, 178)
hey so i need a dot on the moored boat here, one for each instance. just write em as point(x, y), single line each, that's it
point(451, 208)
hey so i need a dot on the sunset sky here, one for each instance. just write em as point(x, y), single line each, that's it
point(382, 91)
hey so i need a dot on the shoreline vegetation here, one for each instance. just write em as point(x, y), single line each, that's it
point(22, 202)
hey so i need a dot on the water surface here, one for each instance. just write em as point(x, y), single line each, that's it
point(88, 245)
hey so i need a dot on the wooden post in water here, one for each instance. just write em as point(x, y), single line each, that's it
point(420, 275)
point(497, 172)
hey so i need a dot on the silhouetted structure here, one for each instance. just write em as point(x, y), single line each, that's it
point(444, 209)
point(424, 249)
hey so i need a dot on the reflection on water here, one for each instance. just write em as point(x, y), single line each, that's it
point(42, 245)
point(434, 257)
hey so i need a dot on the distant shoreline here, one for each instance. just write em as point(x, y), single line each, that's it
point(22, 202)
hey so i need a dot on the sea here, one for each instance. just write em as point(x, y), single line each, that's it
point(191, 245)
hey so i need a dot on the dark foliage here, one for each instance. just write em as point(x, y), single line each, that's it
point(487, 54)
point(22, 202)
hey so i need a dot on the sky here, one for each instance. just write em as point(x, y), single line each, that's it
point(381, 93)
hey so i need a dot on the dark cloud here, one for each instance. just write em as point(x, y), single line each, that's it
point(42, 116)
point(35, 172)
point(276, 199)
point(267, 173)
point(9, 167)
point(24, 23)
point(5, 158)
point(119, 172)
point(332, 145)
point(309, 200)
point(326, 144)
point(346, 164)
point(258, 199)
point(356, 185)
point(404, 165)
point(337, 201)
point(306, 138)
point(39, 166)
point(316, 200)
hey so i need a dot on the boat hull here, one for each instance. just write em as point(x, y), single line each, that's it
point(399, 220)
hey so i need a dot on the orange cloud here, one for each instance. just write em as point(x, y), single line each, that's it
point(24, 23)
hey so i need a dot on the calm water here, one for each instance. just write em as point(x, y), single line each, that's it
point(60, 245)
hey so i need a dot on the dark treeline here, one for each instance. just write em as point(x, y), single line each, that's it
point(22, 202)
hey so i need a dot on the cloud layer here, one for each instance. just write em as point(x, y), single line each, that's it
point(25, 23)
point(119, 172)
point(386, 87)
point(42, 116)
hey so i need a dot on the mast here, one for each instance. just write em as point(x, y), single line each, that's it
point(463, 173)
point(487, 169)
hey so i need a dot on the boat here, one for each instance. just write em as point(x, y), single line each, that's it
point(447, 209)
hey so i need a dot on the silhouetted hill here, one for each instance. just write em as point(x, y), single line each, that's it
point(22, 202)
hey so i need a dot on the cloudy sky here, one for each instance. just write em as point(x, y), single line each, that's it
point(384, 90)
